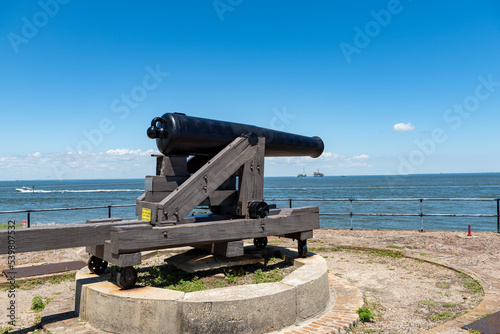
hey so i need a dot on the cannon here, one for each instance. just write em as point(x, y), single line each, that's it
point(178, 134)
point(210, 163)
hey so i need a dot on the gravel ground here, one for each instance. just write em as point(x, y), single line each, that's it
point(406, 295)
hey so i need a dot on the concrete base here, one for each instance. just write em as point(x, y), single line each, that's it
point(253, 308)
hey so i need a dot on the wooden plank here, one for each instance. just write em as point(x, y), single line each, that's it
point(252, 179)
point(163, 183)
point(139, 199)
point(149, 206)
point(121, 260)
point(156, 196)
point(222, 197)
point(195, 261)
point(227, 249)
point(103, 220)
point(129, 238)
point(57, 237)
point(96, 250)
point(300, 235)
point(171, 166)
point(206, 180)
point(44, 269)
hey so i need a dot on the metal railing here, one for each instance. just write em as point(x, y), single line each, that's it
point(28, 212)
point(420, 214)
point(351, 213)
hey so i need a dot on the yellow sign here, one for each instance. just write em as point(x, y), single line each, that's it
point(146, 214)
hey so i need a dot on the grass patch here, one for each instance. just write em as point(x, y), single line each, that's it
point(441, 316)
point(267, 277)
point(449, 305)
point(31, 284)
point(385, 253)
point(395, 247)
point(169, 277)
point(37, 304)
point(195, 284)
point(6, 329)
point(473, 331)
point(442, 285)
point(428, 302)
point(60, 279)
point(37, 321)
point(7, 287)
point(317, 249)
point(365, 314)
point(473, 285)
point(233, 274)
point(376, 308)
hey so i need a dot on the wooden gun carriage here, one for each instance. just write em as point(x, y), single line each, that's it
point(225, 172)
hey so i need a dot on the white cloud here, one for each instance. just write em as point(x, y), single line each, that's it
point(117, 163)
point(402, 127)
point(361, 157)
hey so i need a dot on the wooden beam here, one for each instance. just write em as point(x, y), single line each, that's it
point(171, 166)
point(251, 187)
point(138, 208)
point(138, 237)
point(227, 249)
point(61, 236)
point(300, 235)
point(121, 260)
point(163, 183)
point(206, 180)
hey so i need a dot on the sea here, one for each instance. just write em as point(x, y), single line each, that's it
point(330, 193)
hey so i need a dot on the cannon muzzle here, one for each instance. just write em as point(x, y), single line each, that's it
point(178, 134)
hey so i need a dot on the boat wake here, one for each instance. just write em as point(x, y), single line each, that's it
point(29, 190)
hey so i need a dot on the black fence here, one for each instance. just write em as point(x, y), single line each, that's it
point(28, 212)
point(420, 213)
point(290, 202)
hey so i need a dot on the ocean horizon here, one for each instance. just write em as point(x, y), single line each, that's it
point(102, 192)
point(281, 176)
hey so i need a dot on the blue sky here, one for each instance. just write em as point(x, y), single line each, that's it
point(392, 87)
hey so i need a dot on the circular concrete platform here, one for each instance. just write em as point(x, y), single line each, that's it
point(253, 308)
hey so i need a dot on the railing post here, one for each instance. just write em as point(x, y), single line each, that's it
point(29, 218)
point(290, 200)
point(109, 211)
point(350, 200)
point(421, 216)
point(498, 215)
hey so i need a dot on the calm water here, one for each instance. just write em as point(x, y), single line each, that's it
point(78, 193)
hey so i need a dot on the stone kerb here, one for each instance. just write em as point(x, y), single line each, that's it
point(253, 308)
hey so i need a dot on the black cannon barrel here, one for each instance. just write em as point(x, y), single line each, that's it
point(178, 134)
